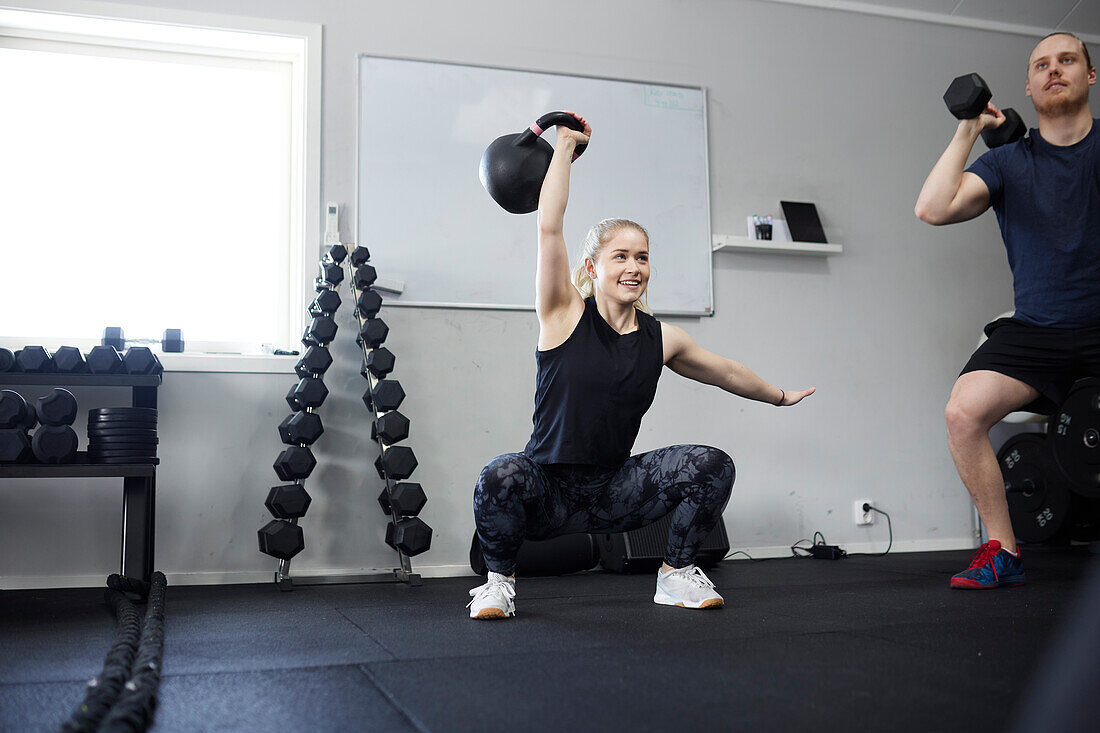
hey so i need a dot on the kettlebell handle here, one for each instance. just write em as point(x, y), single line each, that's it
point(549, 120)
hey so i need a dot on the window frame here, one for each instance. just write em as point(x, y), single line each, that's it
point(207, 34)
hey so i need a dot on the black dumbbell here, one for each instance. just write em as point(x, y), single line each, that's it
point(378, 363)
point(967, 97)
point(172, 341)
point(320, 332)
point(393, 427)
point(57, 408)
point(15, 446)
point(114, 336)
point(69, 360)
point(364, 277)
point(301, 428)
point(7, 359)
point(336, 253)
point(388, 394)
point(395, 463)
point(104, 360)
point(372, 333)
point(55, 444)
point(308, 392)
point(289, 501)
point(331, 273)
point(141, 360)
point(325, 304)
point(406, 498)
point(295, 462)
point(34, 359)
point(369, 303)
point(411, 536)
point(360, 256)
point(281, 539)
point(314, 362)
point(14, 411)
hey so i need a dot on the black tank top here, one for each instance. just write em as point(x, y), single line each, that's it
point(592, 390)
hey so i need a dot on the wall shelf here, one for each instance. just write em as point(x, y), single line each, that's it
point(734, 243)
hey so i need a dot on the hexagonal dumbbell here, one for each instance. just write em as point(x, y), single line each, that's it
point(281, 539)
point(141, 360)
point(325, 304)
point(379, 362)
point(364, 276)
point(320, 331)
point(15, 446)
point(289, 501)
point(393, 427)
point(372, 333)
point(331, 273)
point(301, 428)
point(294, 463)
point(34, 359)
point(360, 256)
point(7, 359)
point(55, 444)
point(57, 408)
point(315, 361)
point(104, 360)
point(172, 341)
point(114, 336)
point(368, 303)
point(69, 360)
point(411, 536)
point(387, 395)
point(308, 392)
point(13, 410)
point(395, 463)
point(336, 253)
point(407, 498)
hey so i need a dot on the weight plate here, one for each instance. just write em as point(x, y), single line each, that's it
point(120, 461)
point(124, 442)
point(122, 425)
point(121, 431)
point(123, 454)
point(1037, 493)
point(146, 412)
point(1075, 437)
point(120, 418)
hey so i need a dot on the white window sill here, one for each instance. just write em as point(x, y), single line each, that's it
point(229, 363)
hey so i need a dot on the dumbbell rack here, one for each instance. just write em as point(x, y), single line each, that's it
point(138, 480)
point(372, 333)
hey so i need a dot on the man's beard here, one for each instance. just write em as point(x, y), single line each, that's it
point(1061, 105)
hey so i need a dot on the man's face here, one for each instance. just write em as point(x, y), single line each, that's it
point(1058, 78)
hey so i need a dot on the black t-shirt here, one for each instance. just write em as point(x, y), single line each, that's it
point(1047, 201)
point(592, 391)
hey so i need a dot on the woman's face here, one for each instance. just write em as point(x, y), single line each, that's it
point(622, 271)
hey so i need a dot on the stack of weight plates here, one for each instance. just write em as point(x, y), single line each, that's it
point(122, 435)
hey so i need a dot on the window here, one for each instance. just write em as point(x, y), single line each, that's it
point(155, 175)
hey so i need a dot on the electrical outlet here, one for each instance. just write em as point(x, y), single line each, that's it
point(862, 517)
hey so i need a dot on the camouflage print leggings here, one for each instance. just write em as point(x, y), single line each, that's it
point(517, 499)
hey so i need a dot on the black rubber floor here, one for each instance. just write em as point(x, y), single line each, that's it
point(858, 644)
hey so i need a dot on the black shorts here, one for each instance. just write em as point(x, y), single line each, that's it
point(1048, 359)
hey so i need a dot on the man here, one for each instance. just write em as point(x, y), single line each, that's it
point(1045, 190)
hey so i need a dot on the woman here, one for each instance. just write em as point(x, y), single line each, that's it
point(599, 356)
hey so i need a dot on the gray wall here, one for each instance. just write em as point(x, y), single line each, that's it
point(806, 104)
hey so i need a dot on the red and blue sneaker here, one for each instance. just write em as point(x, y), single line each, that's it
point(991, 567)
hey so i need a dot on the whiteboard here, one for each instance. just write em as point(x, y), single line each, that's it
point(422, 212)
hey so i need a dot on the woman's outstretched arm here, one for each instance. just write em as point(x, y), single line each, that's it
point(688, 359)
point(555, 296)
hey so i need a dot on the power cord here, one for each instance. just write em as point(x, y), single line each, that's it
point(868, 507)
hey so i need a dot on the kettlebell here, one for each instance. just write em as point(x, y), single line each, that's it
point(513, 166)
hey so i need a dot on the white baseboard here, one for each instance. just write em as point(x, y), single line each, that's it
point(37, 582)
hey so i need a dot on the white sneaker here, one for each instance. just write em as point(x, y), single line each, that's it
point(494, 599)
point(686, 587)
